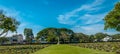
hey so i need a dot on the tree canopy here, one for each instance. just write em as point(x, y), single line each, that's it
point(7, 24)
point(112, 19)
point(3, 39)
point(28, 34)
point(100, 36)
point(52, 34)
point(81, 37)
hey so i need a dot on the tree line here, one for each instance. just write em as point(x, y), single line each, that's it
point(62, 35)
point(68, 36)
point(112, 21)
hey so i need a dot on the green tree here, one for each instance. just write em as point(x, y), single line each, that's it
point(82, 37)
point(100, 36)
point(49, 34)
point(91, 38)
point(29, 35)
point(112, 19)
point(7, 24)
point(56, 35)
point(66, 35)
point(3, 40)
point(116, 37)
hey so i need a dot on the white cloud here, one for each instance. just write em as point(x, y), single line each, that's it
point(11, 12)
point(65, 19)
point(89, 29)
point(68, 17)
point(91, 19)
point(20, 30)
point(92, 29)
point(36, 28)
point(87, 23)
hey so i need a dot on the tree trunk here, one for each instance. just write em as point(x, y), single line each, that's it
point(58, 41)
point(2, 33)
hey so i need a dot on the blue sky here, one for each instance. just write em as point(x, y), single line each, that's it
point(79, 15)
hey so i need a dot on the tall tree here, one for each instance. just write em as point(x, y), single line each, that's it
point(112, 19)
point(56, 35)
point(7, 24)
point(29, 35)
point(65, 35)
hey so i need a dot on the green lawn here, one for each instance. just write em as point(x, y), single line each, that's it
point(66, 49)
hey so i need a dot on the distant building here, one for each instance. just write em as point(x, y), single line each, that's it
point(16, 39)
point(107, 38)
point(43, 40)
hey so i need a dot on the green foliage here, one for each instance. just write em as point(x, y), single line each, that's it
point(116, 37)
point(66, 35)
point(82, 37)
point(29, 34)
point(7, 24)
point(91, 38)
point(3, 40)
point(52, 38)
point(100, 36)
point(53, 34)
point(48, 33)
point(112, 19)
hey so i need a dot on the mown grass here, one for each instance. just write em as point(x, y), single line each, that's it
point(67, 49)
